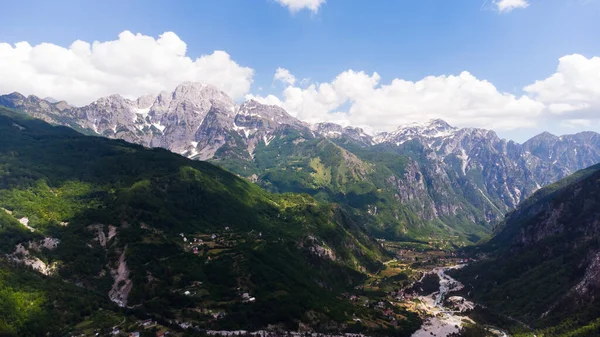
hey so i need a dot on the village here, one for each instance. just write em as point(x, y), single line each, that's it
point(386, 294)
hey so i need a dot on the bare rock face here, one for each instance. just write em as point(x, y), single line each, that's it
point(180, 114)
point(195, 119)
point(122, 285)
point(492, 173)
point(469, 173)
point(552, 238)
point(336, 131)
point(258, 123)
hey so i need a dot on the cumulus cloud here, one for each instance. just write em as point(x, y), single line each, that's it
point(505, 6)
point(269, 99)
point(359, 98)
point(297, 5)
point(284, 75)
point(132, 65)
point(578, 123)
point(573, 91)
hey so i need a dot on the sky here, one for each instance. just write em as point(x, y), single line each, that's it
point(518, 67)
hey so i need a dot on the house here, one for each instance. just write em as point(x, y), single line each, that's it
point(226, 228)
point(252, 299)
point(187, 293)
point(160, 334)
point(195, 250)
point(213, 236)
point(115, 331)
point(245, 296)
point(134, 334)
point(147, 323)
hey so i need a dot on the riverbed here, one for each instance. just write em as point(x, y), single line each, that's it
point(444, 321)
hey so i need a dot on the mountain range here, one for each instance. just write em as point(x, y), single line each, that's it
point(100, 232)
point(427, 182)
point(96, 231)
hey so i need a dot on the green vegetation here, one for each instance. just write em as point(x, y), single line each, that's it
point(109, 201)
point(541, 264)
point(362, 182)
point(33, 305)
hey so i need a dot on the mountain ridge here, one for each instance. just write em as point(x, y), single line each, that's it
point(542, 265)
point(433, 128)
point(446, 176)
point(156, 235)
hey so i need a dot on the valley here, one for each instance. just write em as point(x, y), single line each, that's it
point(300, 168)
point(288, 229)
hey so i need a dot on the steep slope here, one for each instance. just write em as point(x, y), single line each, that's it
point(171, 120)
point(493, 174)
point(335, 131)
point(561, 156)
point(166, 237)
point(544, 267)
point(428, 181)
point(384, 191)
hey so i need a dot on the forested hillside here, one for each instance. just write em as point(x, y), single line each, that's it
point(149, 233)
point(543, 267)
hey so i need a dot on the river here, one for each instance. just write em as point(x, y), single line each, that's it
point(444, 320)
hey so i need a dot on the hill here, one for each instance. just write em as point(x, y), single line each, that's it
point(150, 233)
point(543, 267)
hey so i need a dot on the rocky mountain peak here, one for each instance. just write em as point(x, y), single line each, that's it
point(62, 105)
point(544, 136)
point(112, 101)
point(51, 99)
point(252, 107)
point(257, 115)
point(439, 124)
point(434, 128)
point(195, 91)
point(15, 95)
point(333, 130)
point(328, 129)
point(146, 101)
point(200, 121)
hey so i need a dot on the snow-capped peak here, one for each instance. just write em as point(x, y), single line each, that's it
point(434, 128)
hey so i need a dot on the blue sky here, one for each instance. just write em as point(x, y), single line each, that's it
point(408, 40)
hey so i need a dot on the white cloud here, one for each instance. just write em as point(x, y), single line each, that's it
point(462, 100)
point(297, 5)
point(132, 65)
point(284, 75)
point(505, 6)
point(135, 64)
point(269, 99)
point(573, 91)
point(577, 123)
